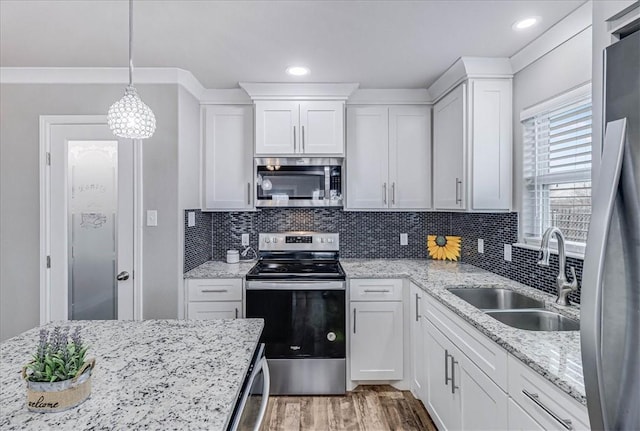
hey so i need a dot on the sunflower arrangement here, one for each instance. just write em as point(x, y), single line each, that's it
point(443, 247)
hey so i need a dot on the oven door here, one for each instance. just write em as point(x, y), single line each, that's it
point(302, 319)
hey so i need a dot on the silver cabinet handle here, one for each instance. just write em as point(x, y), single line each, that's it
point(377, 291)
point(303, 139)
point(446, 367)
point(124, 275)
point(417, 311)
point(214, 290)
point(566, 423)
point(384, 193)
point(393, 193)
point(248, 193)
point(354, 320)
point(453, 375)
point(294, 139)
point(458, 191)
point(236, 312)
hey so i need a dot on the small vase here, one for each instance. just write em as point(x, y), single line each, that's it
point(45, 397)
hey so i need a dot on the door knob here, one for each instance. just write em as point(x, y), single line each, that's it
point(124, 275)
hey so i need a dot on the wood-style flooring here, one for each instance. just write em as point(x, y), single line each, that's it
point(367, 408)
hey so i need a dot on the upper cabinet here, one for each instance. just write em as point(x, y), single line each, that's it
point(299, 127)
point(227, 167)
point(388, 157)
point(472, 144)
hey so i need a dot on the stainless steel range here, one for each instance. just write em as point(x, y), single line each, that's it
point(298, 288)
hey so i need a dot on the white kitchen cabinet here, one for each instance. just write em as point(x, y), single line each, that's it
point(219, 298)
point(290, 128)
point(519, 420)
point(227, 158)
point(418, 368)
point(472, 147)
point(376, 342)
point(388, 157)
point(459, 394)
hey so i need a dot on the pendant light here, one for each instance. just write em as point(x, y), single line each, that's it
point(130, 117)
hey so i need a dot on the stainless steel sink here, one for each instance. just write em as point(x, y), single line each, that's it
point(486, 298)
point(535, 320)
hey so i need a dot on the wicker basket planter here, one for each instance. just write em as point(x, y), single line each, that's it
point(59, 396)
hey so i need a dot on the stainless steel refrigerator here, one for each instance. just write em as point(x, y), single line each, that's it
point(610, 316)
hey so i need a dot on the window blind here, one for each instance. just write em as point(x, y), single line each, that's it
point(557, 171)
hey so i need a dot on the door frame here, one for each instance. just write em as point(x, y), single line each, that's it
point(46, 123)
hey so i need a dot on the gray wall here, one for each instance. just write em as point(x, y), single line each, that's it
point(20, 108)
point(560, 70)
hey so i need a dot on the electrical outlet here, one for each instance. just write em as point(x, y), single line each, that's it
point(507, 252)
point(404, 239)
point(245, 239)
point(152, 217)
point(480, 245)
point(191, 219)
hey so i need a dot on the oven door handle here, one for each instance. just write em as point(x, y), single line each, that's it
point(295, 285)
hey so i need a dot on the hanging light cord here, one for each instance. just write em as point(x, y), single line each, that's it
point(130, 42)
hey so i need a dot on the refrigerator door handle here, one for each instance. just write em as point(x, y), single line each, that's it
point(603, 202)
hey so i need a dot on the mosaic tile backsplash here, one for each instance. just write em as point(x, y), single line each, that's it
point(377, 235)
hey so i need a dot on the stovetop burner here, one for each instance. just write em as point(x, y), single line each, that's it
point(278, 269)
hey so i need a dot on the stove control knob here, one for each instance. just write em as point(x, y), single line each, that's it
point(330, 240)
point(322, 240)
point(267, 240)
point(275, 240)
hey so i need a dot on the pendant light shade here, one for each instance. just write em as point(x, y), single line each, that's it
point(130, 117)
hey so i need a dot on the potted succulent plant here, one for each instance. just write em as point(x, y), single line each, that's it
point(59, 376)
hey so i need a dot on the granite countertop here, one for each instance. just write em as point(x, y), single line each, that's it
point(219, 269)
point(554, 355)
point(152, 374)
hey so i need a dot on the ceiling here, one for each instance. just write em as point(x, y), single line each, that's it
point(380, 44)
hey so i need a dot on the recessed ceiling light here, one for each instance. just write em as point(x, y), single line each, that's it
point(526, 23)
point(298, 70)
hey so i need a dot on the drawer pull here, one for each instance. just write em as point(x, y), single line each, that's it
point(417, 311)
point(354, 320)
point(236, 312)
point(214, 290)
point(566, 423)
point(377, 291)
point(453, 375)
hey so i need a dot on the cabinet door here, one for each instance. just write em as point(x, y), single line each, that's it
point(214, 310)
point(410, 157)
point(367, 157)
point(519, 420)
point(442, 401)
point(376, 340)
point(418, 363)
point(491, 164)
point(483, 405)
point(449, 139)
point(322, 128)
point(227, 161)
point(277, 129)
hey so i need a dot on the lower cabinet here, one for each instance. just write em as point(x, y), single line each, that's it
point(219, 298)
point(376, 340)
point(519, 420)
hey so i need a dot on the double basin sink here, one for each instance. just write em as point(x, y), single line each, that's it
point(515, 309)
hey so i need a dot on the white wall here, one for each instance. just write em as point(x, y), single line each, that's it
point(565, 67)
point(20, 108)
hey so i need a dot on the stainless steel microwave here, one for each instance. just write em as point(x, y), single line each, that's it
point(298, 182)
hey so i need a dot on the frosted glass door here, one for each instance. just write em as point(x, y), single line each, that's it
point(92, 212)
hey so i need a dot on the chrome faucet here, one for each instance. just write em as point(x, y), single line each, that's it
point(564, 287)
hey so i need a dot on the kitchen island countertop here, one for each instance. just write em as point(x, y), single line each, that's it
point(151, 374)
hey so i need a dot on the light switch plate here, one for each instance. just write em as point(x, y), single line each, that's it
point(480, 245)
point(507, 252)
point(404, 239)
point(191, 219)
point(245, 239)
point(152, 217)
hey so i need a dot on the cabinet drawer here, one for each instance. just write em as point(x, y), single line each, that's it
point(482, 351)
point(214, 310)
point(378, 289)
point(223, 289)
point(546, 404)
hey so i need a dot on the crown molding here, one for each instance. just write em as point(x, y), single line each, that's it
point(400, 96)
point(468, 68)
point(232, 96)
point(298, 91)
point(570, 26)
